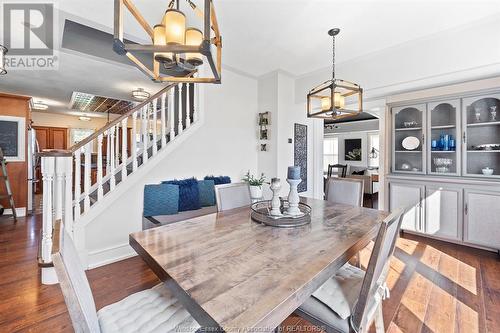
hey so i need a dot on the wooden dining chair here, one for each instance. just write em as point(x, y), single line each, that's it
point(341, 170)
point(352, 299)
point(230, 196)
point(151, 310)
point(347, 191)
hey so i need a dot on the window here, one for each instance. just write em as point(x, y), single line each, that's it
point(373, 145)
point(330, 152)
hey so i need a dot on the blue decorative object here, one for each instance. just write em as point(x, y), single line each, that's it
point(452, 144)
point(161, 199)
point(434, 145)
point(293, 172)
point(189, 195)
point(207, 192)
point(219, 180)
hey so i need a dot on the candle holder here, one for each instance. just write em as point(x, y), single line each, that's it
point(275, 202)
point(293, 198)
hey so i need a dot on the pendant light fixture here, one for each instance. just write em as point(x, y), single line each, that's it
point(328, 100)
point(140, 94)
point(177, 49)
point(3, 52)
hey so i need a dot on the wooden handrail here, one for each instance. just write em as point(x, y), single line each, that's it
point(70, 151)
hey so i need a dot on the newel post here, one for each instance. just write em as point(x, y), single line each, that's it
point(48, 165)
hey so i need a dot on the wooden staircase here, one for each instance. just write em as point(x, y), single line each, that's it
point(75, 180)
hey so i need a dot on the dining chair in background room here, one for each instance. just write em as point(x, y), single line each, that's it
point(341, 170)
point(352, 299)
point(347, 191)
point(151, 310)
point(230, 196)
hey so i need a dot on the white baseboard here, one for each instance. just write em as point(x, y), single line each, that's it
point(109, 255)
point(21, 211)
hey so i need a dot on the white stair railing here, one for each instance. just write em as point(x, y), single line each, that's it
point(76, 179)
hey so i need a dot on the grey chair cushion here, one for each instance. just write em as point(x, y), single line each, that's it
point(151, 310)
point(341, 291)
point(331, 304)
point(320, 314)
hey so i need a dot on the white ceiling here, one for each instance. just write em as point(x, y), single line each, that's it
point(259, 36)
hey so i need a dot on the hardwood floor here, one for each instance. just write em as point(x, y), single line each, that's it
point(435, 286)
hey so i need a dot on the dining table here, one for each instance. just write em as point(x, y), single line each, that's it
point(235, 275)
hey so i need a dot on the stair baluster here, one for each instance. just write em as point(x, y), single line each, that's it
point(188, 110)
point(78, 185)
point(87, 177)
point(171, 107)
point(112, 181)
point(163, 121)
point(155, 125)
point(145, 134)
point(179, 103)
point(68, 192)
point(100, 192)
point(134, 141)
point(124, 156)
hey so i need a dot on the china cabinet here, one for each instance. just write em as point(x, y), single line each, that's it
point(408, 139)
point(445, 166)
point(481, 136)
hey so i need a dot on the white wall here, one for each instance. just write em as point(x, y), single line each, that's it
point(276, 94)
point(225, 144)
point(465, 53)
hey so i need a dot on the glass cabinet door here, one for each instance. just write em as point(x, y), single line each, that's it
point(408, 139)
point(481, 137)
point(444, 138)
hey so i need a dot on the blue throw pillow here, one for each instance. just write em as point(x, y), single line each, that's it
point(207, 192)
point(219, 180)
point(161, 199)
point(189, 195)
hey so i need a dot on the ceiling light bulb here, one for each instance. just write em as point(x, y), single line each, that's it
point(339, 100)
point(194, 37)
point(40, 106)
point(159, 39)
point(325, 103)
point(174, 22)
point(84, 118)
point(140, 94)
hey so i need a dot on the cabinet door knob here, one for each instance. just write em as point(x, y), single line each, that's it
point(466, 209)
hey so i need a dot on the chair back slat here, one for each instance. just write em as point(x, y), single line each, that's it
point(75, 287)
point(341, 170)
point(230, 196)
point(377, 270)
point(347, 191)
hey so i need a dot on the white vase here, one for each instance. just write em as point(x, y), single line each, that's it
point(255, 193)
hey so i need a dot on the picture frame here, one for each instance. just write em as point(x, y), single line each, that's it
point(353, 149)
point(13, 138)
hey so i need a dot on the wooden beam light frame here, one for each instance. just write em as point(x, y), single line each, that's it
point(209, 24)
point(327, 89)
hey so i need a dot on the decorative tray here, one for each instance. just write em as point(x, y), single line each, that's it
point(261, 209)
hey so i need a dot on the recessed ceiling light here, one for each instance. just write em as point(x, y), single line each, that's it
point(39, 105)
point(84, 118)
point(140, 94)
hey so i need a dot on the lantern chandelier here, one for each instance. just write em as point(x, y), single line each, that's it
point(327, 101)
point(179, 50)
